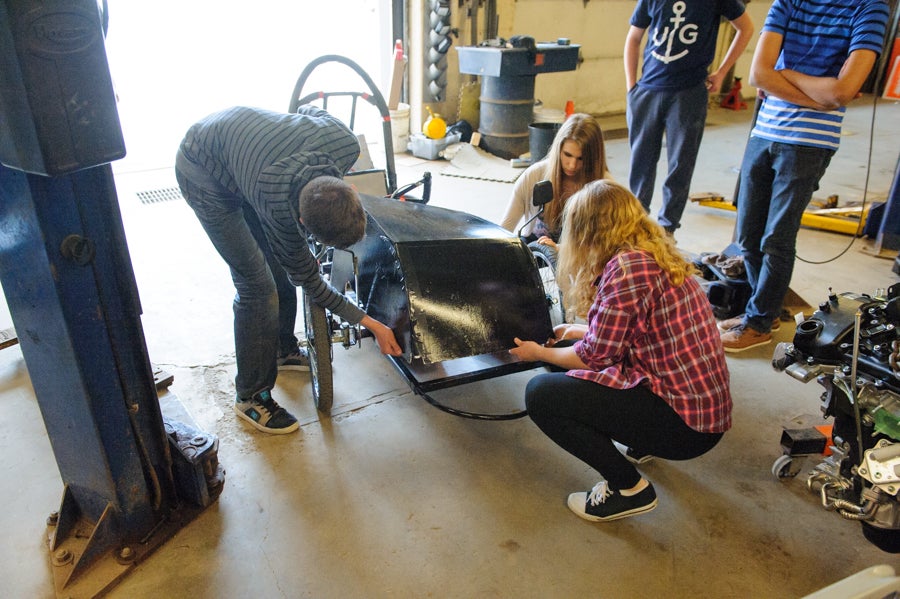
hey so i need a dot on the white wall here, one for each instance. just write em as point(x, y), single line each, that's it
point(599, 26)
point(597, 86)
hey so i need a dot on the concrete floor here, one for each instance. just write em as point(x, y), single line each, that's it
point(391, 497)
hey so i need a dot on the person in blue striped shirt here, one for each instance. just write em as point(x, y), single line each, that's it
point(812, 59)
point(259, 181)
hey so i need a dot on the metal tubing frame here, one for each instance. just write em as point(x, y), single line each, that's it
point(424, 388)
point(373, 96)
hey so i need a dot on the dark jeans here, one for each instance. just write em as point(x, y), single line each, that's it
point(584, 418)
point(265, 303)
point(287, 292)
point(681, 116)
point(777, 182)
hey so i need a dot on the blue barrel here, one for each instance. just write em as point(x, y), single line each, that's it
point(507, 107)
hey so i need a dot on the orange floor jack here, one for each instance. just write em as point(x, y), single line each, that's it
point(733, 99)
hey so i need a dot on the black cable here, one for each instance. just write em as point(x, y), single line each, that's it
point(471, 415)
point(862, 207)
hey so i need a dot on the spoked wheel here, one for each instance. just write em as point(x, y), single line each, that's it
point(318, 344)
point(546, 262)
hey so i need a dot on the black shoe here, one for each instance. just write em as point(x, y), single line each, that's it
point(603, 504)
point(265, 414)
point(297, 360)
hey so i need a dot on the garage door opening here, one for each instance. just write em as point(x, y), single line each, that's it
point(174, 62)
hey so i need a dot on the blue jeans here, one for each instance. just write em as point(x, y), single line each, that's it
point(681, 116)
point(584, 417)
point(777, 183)
point(265, 306)
point(287, 291)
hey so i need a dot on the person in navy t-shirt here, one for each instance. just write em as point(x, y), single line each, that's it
point(672, 93)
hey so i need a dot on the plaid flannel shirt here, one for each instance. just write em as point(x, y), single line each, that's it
point(644, 330)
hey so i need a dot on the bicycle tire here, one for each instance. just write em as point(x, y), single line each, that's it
point(545, 259)
point(318, 345)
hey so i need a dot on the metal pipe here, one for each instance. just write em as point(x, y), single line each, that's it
point(851, 511)
point(817, 477)
point(853, 388)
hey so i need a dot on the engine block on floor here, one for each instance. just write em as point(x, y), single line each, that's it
point(851, 347)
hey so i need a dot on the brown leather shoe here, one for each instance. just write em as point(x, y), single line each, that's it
point(742, 338)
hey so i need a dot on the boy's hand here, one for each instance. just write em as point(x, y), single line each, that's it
point(384, 336)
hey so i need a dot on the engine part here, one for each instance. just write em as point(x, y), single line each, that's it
point(851, 347)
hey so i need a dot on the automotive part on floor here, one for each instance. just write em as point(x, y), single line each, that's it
point(851, 347)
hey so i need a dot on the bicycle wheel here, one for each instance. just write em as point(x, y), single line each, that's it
point(318, 344)
point(546, 262)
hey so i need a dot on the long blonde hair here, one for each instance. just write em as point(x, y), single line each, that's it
point(601, 221)
point(584, 130)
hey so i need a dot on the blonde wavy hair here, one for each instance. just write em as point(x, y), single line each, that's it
point(584, 130)
point(603, 220)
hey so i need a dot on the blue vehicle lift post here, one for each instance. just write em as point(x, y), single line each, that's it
point(131, 478)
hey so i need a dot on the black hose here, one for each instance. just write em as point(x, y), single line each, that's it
point(471, 415)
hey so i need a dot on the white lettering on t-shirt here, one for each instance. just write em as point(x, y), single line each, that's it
point(686, 34)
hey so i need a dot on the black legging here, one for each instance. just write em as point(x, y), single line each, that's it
point(584, 417)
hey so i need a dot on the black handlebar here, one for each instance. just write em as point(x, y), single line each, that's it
point(424, 182)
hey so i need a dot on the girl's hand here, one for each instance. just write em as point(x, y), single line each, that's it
point(544, 240)
point(528, 351)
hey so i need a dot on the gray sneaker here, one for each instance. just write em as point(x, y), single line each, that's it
point(729, 323)
point(297, 360)
point(265, 414)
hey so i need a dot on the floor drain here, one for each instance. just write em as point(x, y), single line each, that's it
point(155, 196)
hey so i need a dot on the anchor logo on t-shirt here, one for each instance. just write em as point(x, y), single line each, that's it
point(686, 34)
